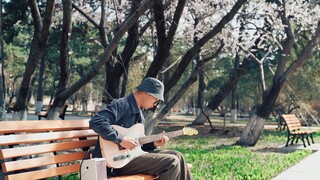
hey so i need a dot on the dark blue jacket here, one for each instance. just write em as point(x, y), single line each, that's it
point(122, 112)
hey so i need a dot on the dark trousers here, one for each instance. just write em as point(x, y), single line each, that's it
point(169, 165)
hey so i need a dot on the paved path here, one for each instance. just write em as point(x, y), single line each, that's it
point(306, 169)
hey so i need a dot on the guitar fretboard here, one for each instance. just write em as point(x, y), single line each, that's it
point(157, 137)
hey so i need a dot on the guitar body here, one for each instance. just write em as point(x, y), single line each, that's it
point(115, 155)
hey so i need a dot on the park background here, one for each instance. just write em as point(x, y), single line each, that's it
point(251, 60)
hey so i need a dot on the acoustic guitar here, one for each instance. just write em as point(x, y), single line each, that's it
point(117, 156)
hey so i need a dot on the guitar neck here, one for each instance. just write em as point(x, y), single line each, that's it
point(157, 137)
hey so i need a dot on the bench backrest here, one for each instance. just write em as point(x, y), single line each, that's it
point(40, 149)
point(292, 122)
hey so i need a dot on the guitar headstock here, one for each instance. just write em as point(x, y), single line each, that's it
point(189, 131)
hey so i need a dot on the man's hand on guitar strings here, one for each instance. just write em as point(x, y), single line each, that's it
point(129, 143)
point(162, 141)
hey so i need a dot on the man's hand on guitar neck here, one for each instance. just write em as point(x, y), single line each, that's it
point(162, 141)
point(129, 143)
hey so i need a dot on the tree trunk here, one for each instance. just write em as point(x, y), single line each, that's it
point(111, 88)
point(161, 54)
point(2, 84)
point(64, 60)
point(233, 111)
point(201, 83)
point(124, 84)
point(118, 68)
point(31, 91)
point(253, 130)
point(38, 45)
point(262, 79)
point(201, 86)
point(165, 75)
point(164, 42)
point(234, 94)
point(39, 100)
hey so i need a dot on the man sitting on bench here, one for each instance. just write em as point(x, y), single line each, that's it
point(126, 112)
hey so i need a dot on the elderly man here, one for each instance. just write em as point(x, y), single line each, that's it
point(126, 112)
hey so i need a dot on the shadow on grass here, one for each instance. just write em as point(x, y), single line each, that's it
point(283, 150)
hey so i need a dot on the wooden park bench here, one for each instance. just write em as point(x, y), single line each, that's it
point(295, 131)
point(62, 112)
point(36, 149)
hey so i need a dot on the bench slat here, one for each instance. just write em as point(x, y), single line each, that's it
point(40, 174)
point(44, 137)
point(44, 148)
point(292, 122)
point(289, 115)
point(42, 161)
point(294, 127)
point(303, 132)
point(45, 125)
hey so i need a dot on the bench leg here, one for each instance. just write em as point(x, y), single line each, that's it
point(311, 136)
point(293, 137)
point(288, 141)
point(302, 138)
point(307, 137)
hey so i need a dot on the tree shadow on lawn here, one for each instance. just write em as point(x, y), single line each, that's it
point(271, 141)
point(203, 130)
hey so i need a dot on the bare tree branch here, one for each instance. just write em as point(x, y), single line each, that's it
point(85, 15)
point(108, 50)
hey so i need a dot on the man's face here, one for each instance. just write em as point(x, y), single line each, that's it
point(149, 101)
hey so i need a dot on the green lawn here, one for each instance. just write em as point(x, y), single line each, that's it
point(215, 156)
point(234, 162)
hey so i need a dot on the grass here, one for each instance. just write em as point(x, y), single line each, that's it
point(233, 162)
point(214, 156)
